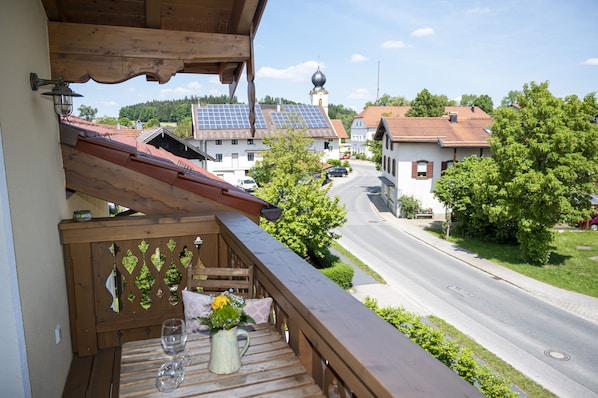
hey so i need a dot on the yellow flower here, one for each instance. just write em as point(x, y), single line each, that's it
point(219, 302)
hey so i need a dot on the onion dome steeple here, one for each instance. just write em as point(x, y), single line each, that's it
point(318, 79)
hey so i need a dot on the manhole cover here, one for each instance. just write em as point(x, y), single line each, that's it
point(556, 354)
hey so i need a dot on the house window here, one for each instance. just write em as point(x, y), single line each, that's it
point(384, 162)
point(250, 157)
point(386, 142)
point(422, 169)
point(250, 141)
point(234, 141)
point(446, 165)
point(218, 142)
point(394, 167)
point(219, 157)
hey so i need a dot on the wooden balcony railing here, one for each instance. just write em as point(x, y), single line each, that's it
point(338, 340)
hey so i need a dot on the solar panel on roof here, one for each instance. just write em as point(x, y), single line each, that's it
point(228, 116)
point(300, 116)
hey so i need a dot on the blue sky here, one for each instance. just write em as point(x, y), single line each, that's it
point(447, 47)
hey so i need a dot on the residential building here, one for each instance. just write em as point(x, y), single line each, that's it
point(223, 131)
point(364, 125)
point(416, 150)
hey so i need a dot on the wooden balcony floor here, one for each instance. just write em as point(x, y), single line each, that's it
point(94, 376)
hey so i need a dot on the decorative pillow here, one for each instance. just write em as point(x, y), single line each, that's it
point(195, 305)
point(259, 309)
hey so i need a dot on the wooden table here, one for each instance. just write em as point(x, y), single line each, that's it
point(269, 368)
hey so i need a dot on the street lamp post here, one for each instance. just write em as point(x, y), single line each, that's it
point(450, 204)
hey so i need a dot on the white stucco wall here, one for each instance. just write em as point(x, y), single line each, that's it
point(34, 182)
point(405, 154)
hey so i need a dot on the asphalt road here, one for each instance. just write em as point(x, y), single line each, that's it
point(556, 348)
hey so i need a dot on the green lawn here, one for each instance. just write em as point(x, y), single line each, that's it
point(573, 265)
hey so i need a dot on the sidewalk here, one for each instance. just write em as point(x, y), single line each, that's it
point(584, 306)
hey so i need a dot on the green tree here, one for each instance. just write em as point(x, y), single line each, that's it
point(87, 112)
point(427, 104)
point(485, 103)
point(467, 99)
point(107, 120)
point(184, 128)
point(153, 122)
point(346, 115)
point(125, 122)
point(467, 189)
point(288, 154)
point(376, 150)
point(309, 215)
point(511, 98)
point(286, 179)
point(547, 160)
point(387, 100)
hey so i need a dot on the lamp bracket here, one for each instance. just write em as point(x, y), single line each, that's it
point(36, 82)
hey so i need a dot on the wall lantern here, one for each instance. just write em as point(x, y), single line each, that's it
point(63, 95)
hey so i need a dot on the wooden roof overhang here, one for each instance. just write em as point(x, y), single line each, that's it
point(147, 182)
point(112, 41)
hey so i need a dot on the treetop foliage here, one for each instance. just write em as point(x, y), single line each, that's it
point(542, 171)
point(427, 104)
point(287, 178)
point(170, 110)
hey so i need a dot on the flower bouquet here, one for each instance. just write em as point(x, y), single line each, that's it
point(225, 313)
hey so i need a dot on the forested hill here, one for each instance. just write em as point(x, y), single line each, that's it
point(170, 110)
point(177, 110)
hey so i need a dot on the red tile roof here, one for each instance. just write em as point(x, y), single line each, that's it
point(339, 128)
point(372, 114)
point(464, 133)
point(160, 165)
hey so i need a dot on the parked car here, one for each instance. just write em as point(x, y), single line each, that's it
point(592, 223)
point(247, 183)
point(345, 156)
point(337, 172)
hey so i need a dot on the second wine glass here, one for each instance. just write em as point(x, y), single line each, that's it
point(174, 337)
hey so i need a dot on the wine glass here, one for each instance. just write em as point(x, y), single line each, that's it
point(174, 338)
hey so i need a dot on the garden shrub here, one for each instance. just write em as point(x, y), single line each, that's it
point(340, 273)
point(409, 205)
point(433, 340)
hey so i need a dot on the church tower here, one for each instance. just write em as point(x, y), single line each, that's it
point(318, 95)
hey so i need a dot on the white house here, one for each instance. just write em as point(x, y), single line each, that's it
point(416, 150)
point(222, 130)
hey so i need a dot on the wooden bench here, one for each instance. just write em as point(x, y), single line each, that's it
point(424, 215)
point(218, 279)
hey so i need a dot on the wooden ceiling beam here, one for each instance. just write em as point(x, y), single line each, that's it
point(153, 13)
point(125, 52)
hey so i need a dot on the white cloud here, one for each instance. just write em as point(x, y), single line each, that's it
point(295, 73)
point(591, 61)
point(192, 88)
point(479, 10)
point(423, 32)
point(394, 44)
point(358, 58)
point(360, 93)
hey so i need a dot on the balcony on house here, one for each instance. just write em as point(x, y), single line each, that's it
point(337, 339)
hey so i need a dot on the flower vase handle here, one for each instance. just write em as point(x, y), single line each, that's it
point(246, 346)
